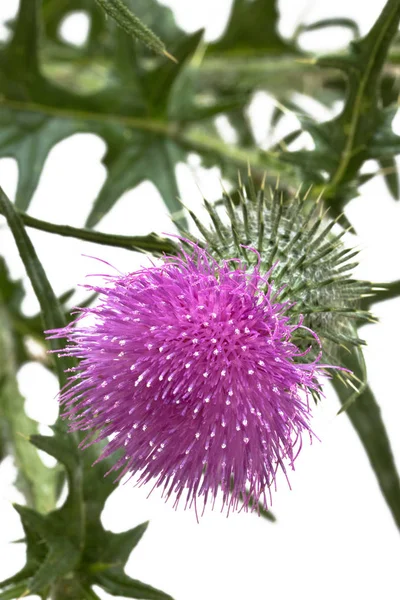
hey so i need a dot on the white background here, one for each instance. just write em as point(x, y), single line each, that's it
point(335, 537)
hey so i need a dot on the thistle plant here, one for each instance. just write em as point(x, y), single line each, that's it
point(196, 375)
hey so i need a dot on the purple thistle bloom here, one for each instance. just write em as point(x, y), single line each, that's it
point(191, 369)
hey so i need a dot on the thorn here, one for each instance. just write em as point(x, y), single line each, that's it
point(324, 213)
point(221, 183)
point(307, 192)
point(352, 385)
point(322, 192)
point(278, 180)
point(26, 593)
point(297, 195)
point(171, 57)
point(26, 437)
point(262, 187)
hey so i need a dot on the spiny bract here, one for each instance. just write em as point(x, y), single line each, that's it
point(312, 267)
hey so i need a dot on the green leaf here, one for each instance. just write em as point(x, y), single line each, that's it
point(23, 48)
point(146, 110)
point(102, 554)
point(365, 416)
point(108, 549)
point(132, 25)
point(36, 481)
point(35, 114)
point(252, 28)
point(28, 137)
point(55, 540)
point(62, 556)
point(344, 143)
point(122, 585)
point(152, 158)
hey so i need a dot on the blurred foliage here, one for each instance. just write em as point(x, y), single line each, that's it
point(35, 481)
point(362, 130)
point(68, 550)
point(152, 113)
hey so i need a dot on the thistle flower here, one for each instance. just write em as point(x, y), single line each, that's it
point(191, 369)
point(199, 372)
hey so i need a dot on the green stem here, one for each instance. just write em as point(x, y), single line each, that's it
point(145, 124)
point(149, 243)
point(193, 141)
point(53, 316)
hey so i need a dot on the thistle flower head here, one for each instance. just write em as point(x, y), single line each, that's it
point(191, 370)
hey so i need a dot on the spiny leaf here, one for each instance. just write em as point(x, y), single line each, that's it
point(55, 540)
point(143, 111)
point(122, 585)
point(63, 555)
point(112, 549)
point(344, 143)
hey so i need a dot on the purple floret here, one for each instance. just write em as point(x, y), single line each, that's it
point(190, 369)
